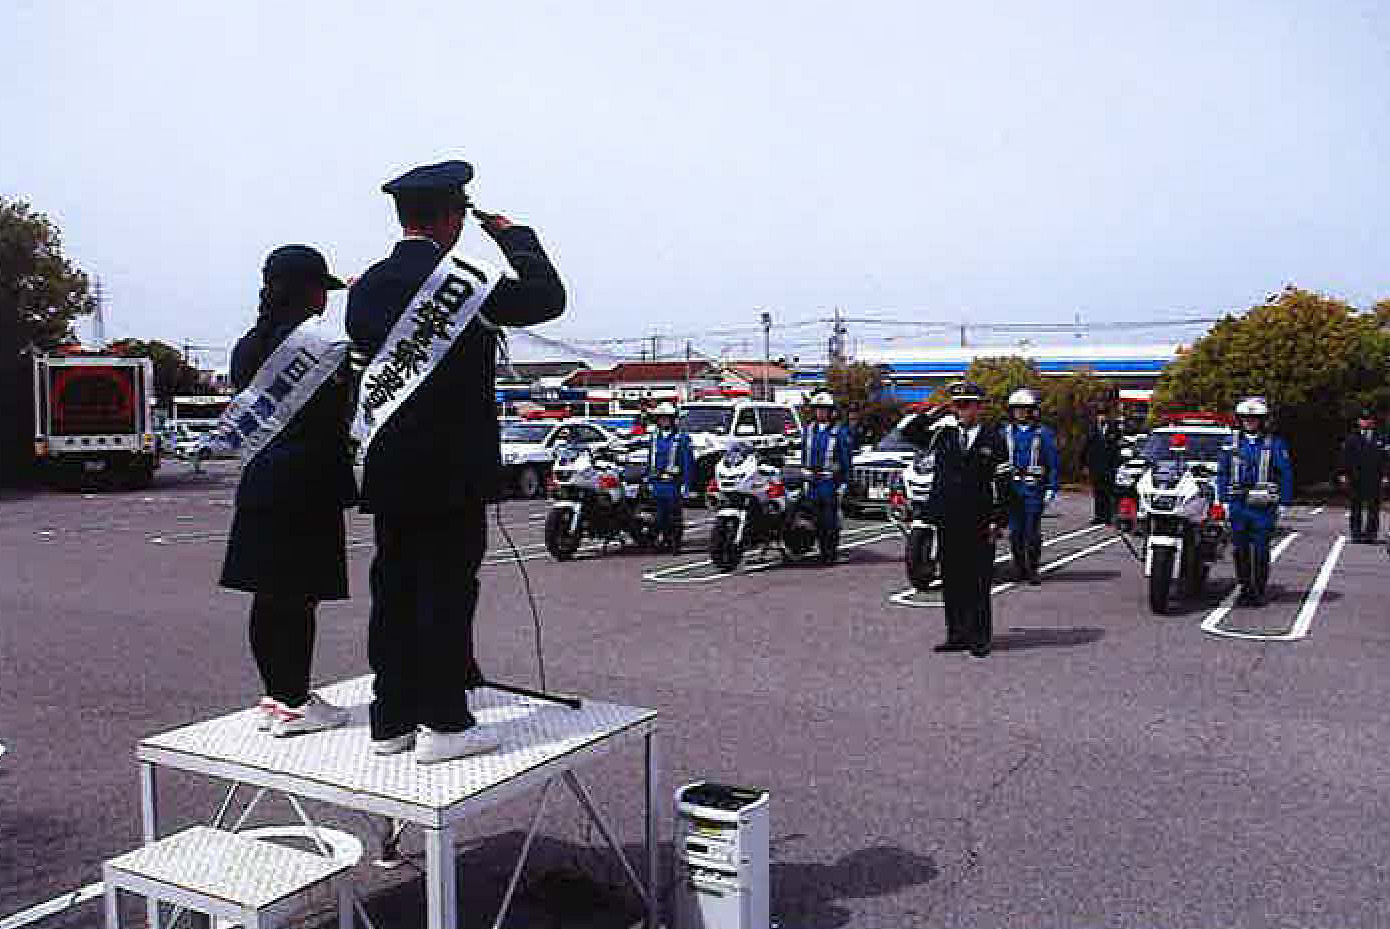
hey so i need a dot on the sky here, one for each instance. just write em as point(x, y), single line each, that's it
point(688, 166)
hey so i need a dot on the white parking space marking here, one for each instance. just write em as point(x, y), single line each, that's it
point(1310, 602)
point(1212, 623)
point(666, 575)
point(1316, 510)
point(50, 908)
point(905, 597)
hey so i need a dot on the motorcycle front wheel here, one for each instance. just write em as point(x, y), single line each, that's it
point(921, 570)
point(724, 550)
point(1161, 580)
point(561, 540)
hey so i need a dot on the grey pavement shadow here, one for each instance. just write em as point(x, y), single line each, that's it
point(808, 896)
point(1019, 638)
point(1053, 577)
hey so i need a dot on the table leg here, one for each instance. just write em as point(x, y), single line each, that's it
point(441, 880)
point(149, 826)
point(653, 884)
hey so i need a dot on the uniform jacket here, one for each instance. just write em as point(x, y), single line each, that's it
point(972, 487)
point(1239, 468)
point(307, 465)
point(442, 445)
point(1102, 450)
point(672, 450)
point(817, 451)
point(1033, 445)
point(1364, 461)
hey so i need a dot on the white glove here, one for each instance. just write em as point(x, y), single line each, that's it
point(1049, 497)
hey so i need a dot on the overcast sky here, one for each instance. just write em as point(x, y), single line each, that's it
point(688, 164)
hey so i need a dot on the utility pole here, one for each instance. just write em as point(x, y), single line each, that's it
point(838, 332)
point(687, 370)
point(767, 352)
point(99, 315)
point(962, 335)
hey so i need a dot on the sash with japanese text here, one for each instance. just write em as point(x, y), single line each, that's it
point(435, 317)
point(286, 380)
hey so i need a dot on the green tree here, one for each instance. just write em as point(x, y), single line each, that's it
point(172, 375)
point(41, 292)
point(1316, 359)
point(859, 389)
point(1069, 405)
point(1001, 375)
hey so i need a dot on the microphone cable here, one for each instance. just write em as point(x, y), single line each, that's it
point(526, 582)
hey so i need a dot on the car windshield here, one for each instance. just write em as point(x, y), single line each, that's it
point(525, 432)
point(707, 419)
point(895, 441)
point(1201, 446)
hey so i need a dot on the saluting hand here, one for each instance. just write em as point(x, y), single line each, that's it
point(493, 223)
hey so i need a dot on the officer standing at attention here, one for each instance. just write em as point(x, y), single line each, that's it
point(1101, 454)
point(671, 472)
point(1363, 470)
point(1033, 454)
point(1254, 476)
point(287, 543)
point(434, 465)
point(970, 502)
point(828, 447)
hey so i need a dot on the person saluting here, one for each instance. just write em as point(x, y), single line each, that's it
point(426, 324)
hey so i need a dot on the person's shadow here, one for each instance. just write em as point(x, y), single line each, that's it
point(1019, 638)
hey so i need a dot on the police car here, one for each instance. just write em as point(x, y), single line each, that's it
point(528, 449)
point(877, 470)
point(714, 425)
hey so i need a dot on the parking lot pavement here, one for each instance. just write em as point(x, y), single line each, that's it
point(1104, 767)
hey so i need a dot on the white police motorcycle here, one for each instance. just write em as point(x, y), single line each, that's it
point(598, 496)
point(760, 506)
point(907, 508)
point(1184, 526)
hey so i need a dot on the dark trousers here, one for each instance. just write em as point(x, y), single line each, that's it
point(420, 640)
point(1103, 492)
point(1364, 515)
point(967, 571)
point(282, 642)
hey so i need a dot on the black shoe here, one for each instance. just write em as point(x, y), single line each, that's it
point(1034, 579)
point(950, 647)
point(1246, 598)
point(979, 651)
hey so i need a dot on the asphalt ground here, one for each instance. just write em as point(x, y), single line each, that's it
point(1103, 768)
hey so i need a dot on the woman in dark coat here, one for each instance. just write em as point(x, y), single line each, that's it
point(287, 543)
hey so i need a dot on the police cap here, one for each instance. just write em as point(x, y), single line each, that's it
point(300, 261)
point(443, 181)
point(965, 390)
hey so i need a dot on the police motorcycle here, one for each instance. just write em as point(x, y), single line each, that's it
point(908, 511)
point(1183, 522)
point(761, 505)
point(598, 496)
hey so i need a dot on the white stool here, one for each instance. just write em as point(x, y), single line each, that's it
point(227, 876)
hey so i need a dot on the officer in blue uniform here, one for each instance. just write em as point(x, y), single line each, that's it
point(1033, 454)
point(433, 467)
point(827, 446)
point(969, 501)
point(670, 473)
point(1253, 478)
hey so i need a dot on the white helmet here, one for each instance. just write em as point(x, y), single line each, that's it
point(1252, 406)
point(1023, 397)
point(822, 398)
point(664, 408)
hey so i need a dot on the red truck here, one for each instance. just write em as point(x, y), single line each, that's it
point(92, 418)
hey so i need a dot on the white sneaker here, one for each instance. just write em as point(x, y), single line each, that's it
point(401, 743)
point(264, 713)
point(433, 747)
point(316, 715)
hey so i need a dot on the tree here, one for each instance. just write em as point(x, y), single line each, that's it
point(41, 292)
point(1069, 405)
point(172, 375)
point(859, 389)
point(1000, 376)
point(1316, 359)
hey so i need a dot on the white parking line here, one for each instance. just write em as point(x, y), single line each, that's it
point(1316, 510)
point(663, 575)
point(52, 907)
point(904, 597)
point(1212, 622)
point(1310, 603)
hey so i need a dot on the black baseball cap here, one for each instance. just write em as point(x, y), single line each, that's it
point(300, 261)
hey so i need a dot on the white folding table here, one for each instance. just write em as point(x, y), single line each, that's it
point(541, 742)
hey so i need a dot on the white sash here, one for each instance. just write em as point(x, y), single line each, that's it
point(286, 380)
point(435, 317)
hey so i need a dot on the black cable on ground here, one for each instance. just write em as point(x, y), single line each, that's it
point(526, 582)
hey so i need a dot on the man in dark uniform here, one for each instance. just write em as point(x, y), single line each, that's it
point(970, 499)
point(433, 467)
point(1362, 471)
point(1102, 456)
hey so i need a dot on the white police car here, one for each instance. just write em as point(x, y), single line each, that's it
point(528, 449)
